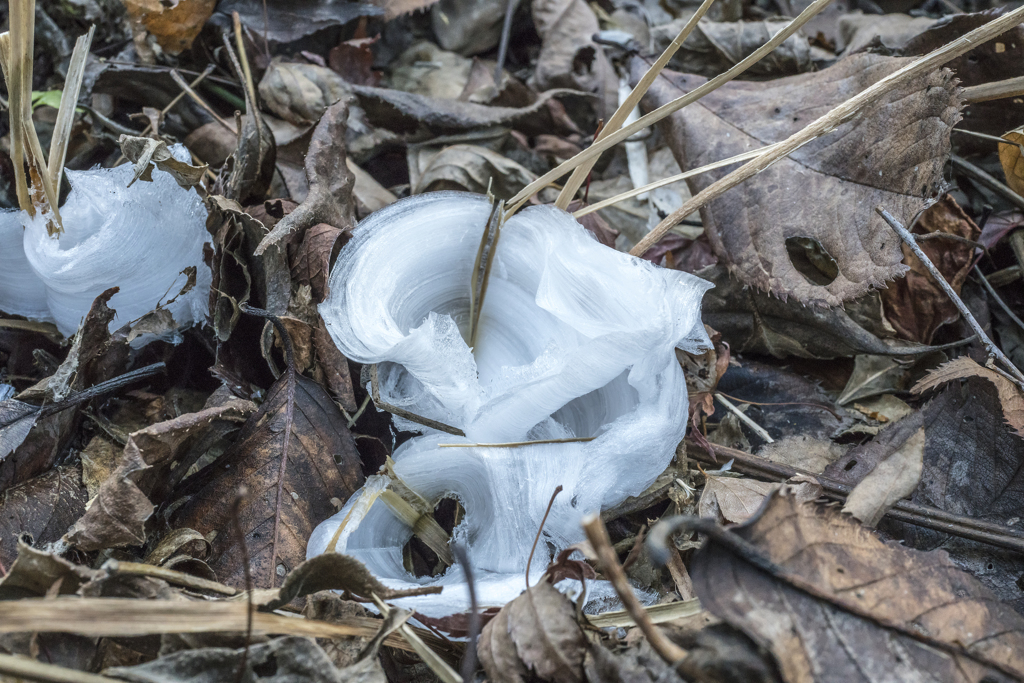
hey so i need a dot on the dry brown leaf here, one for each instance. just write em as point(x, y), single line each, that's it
point(173, 23)
point(1010, 397)
point(43, 508)
point(396, 8)
point(118, 513)
point(312, 263)
point(330, 182)
point(868, 596)
point(893, 478)
point(805, 227)
point(569, 57)
point(35, 573)
point(471, 168)
point(1012, 159)
point(286, 499)
point(147, 152)
point(537, 632)
point(915, 305)
point(731, 498)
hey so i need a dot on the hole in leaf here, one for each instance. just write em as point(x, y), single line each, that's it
point(850, 465)
point(812, 260)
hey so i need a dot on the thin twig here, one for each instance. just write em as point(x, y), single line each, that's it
point(469, 660)
point(403, 413)
point(429, 657)
point(987, 179)
point(990, 347)
point(777, 403)
point(758, 429)
point(992, 293)
point(554, 494)
point(175, 578)
point(506, 34)
point(187, 89)
point(629, 104)
point(663, 111)
point(830, 121)
point(668, 181)
point(1011, 87)
point(517, 444)
point(597, 534)
point(903, 511)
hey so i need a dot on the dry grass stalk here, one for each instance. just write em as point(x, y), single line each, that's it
point(578, 176)
point(830, 121)
point(664, 111)
point(68, 103)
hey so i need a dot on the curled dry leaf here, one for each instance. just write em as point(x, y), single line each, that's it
point(1012, 159)
point(1010, 397)
point(472, 168)
point(330, 182)
point(536, 632)
point(147, 152)
point(286, 499)
point(894, 477)
point(174, 25)
point(866, 599)
point(43, 508)
point(790, 229)
point(312, 263)
point(915, 305)
point(118, 513)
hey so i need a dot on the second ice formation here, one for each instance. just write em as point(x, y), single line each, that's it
point(137, 238)
point(574, 340)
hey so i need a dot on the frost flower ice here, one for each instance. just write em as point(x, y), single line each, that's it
point(137, 238)
point(574, 341)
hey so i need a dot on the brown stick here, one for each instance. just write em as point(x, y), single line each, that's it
point(1011, 87)
point(598, 537)
point(830, 121)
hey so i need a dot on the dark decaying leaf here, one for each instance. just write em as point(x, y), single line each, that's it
point(915, 305)
point(1010, 398)
point(117, 515)
point(536, 632)
point(817, 194)
point(43, 508)
point(334, 571)
point(872, 596)
point(286, 21)
point(330, 182)
point(16, 421)
point(146, 153)
point(715, 46)
point(973, 466)
point(755, 322)
point(282, 660)
point(312, 262)
point(894, 475)
point(334, 367)
point(322, 464)
point(35, 572)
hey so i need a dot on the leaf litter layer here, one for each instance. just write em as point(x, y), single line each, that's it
point(161, 504)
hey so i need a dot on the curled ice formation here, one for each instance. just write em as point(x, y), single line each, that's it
point(575, 340)
point(137, 238)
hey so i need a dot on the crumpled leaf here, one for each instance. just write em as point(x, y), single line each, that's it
point(35, 572)
point(536, 632)
point(322, 464)
point(873, 375)
point(731, 498)
point(282, 660)
point(16, 421)
point(312, 262)
point(891, 30)
point(1010, 397)
point(816, 638)
point(425, 69)
point(715, 46)
point(915, 305)
point(334, 571)
point(43, 508)
point(330, 182)
point(472, 168)
point(1012, 160)
point(895, 474)
point(147, 152)
point(173, 24)
point(818, 194)
point(569, 57)
point(287, 21)
point(468, 27)
point(755, 322)
point(118, 513)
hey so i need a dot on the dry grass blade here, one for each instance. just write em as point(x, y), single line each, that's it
point(68, 103)
point(482, 267)
point(827, 123)
point(670, 180)
point(619, 117)
point(662, 112)
point(429, 657)
point(119, 617)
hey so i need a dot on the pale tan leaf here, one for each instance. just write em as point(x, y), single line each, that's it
point(892, 479)
point(1010, 397)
